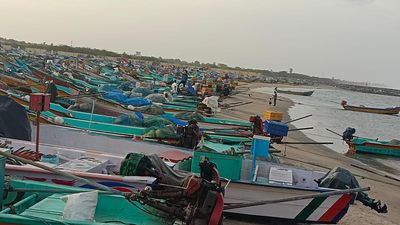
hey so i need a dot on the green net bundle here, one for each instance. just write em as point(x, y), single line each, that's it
point(189, 116)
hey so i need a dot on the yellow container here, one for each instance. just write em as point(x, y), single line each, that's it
point(273, 115)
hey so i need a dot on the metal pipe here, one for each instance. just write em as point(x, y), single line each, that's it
point(306, 143)
point(37, 133)
point(295, 198)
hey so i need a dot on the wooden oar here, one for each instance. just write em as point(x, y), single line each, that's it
point(296, 198)
point(61, 173)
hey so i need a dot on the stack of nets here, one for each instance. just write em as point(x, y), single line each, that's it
point(158, 127)
point(142, 90)
point(190, 116)
point(132, 119)
point(159, 98)
point(149, 109)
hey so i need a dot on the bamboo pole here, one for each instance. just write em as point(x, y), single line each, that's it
point(290, 121)
point(374, 172)
point(333, 132)
point(296, 198)
point(306, 143)
point(302, 128)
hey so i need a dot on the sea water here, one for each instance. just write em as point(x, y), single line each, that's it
point(324, 105)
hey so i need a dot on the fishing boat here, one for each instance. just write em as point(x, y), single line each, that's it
point(387, 111)
point(374, 146)
point(265, 185)
point(39, 203)
point(303, 93)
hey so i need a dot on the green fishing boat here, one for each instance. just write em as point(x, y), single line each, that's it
point(27, 202)
point(374, 146)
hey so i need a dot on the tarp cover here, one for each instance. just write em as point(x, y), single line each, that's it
point(121, 98)
point(14, 121)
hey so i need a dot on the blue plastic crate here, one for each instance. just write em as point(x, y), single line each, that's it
point(276, 129)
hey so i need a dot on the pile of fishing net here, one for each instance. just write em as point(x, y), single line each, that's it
point(152, 109)
point(159, 98)
point(134, 119)
point(190, 116)
point(142, 90)
point(127, 86)
point(156, 121)
point(168, 131)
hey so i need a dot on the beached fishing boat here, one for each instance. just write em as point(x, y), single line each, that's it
point(303, 93)
point(39, 203)
point(37, 86)
point(374, 146)
point(387, 111)
point(265, 185)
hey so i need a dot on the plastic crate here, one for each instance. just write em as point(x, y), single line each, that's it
point(260, 146)
point(273, 115)
point(229, 166)
point(276, 129)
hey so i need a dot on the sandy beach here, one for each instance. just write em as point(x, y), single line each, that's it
point(317, 157)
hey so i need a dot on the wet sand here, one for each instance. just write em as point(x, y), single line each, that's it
point(317, 157)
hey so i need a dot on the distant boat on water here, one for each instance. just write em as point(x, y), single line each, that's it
point(303, 93)
point(387, 111)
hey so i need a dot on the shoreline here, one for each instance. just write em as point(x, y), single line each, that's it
point(318, 157)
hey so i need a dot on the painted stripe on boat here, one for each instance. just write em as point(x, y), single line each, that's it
point(337, 208)
point(325, 206)
point(310, 208)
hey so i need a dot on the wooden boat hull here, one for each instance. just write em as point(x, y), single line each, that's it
point(302, 93)
point(386, 111)
point(42, 88)
point(360, 145)
point(317, 210)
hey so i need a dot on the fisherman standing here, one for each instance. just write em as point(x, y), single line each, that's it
point(174, 87)
point(192, 135)
point(184, 79)
point(52, 90)
point(275, 96)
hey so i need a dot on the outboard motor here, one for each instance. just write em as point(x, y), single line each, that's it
point(348, 134)
point(339, 178)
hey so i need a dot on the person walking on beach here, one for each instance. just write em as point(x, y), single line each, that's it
point(275, 96)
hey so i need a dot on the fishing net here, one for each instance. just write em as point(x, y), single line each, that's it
point(156, 121)
point(190, 116)
point(142, 90)
point(129, 120)
point(127, 86)
point(159, 98)
point(131, 165)
point(149, 109)
point(168, 131)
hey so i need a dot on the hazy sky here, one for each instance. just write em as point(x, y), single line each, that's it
point(349, 39)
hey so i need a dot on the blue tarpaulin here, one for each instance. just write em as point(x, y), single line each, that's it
point(121, 98)
point(175, 120)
